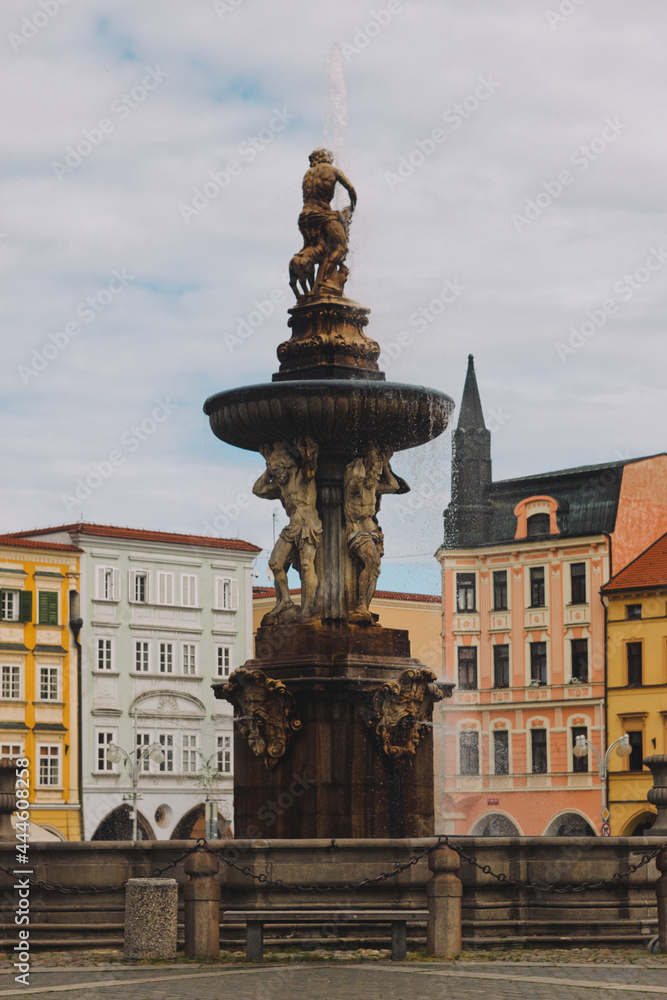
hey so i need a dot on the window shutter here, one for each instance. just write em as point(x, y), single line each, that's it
point(131, 593)
point(116, 585)
point(48, 608)
point(234, 604)
point(25, 606)
point(219, 591)
point(99, 581)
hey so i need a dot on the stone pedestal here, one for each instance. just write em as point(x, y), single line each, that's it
point(328, 341)
point(657, 795)
point(358, 760)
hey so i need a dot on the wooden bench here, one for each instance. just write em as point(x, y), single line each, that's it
point(255, 920)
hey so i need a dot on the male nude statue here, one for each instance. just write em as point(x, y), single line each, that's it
point(366, 479)
point(294, 485)
point(324, 230)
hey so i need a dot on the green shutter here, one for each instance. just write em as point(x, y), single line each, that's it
point(25, 606)
point(48, 608)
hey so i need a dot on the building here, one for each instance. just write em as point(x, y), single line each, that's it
point(164, 615)
point(522, 563)
point(39, 583)
point(636, 602)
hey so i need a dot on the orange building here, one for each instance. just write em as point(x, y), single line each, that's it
point(524, 632)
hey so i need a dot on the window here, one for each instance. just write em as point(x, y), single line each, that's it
point(225, 754)
point(165, 588)
point(500, 590)
point(467, 667)
point(48, 683)
point(578, 582)
point(48, 608)
point(143, 759)
point(189, 658)
point(15, 605)
point(538, 662)
point(469, 752)
point(49, 765)
point(538, 740)
point(579, 764)
point(501, 752)
point(465, 591)
point(141, 656)
point(636, 758)
point(11, 750)
point(107, 583)
point(501, 666)
point(634, 653)
point(11, 681)
point(538, 524)
point(190, 753)
point(224, 658)
point(537, 587)
point(579, 650)
point(138, 586)
point(226, 593)
point(166, 741)
point(166, 657)
point(104, 740)
point(188, 590)
point(633, 610)
point(104, 650)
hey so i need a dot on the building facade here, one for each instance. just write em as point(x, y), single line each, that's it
point(636, 603)
point(39, 584)
point(524, 631)
point(163, 616)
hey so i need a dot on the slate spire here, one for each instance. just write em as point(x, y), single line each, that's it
point(468, 517)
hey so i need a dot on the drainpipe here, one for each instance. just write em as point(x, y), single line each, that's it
point(75, 624)
point(605, 604)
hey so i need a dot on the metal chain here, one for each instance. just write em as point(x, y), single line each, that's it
point(95, 891)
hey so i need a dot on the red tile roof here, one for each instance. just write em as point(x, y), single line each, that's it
point(29, 543)
point(140, 535)
point(648, 570)
point(387, 595)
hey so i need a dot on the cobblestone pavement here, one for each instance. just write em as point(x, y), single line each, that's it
point(579, 975)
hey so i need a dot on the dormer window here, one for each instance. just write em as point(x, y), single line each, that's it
point(537, 524)
point(536, 517)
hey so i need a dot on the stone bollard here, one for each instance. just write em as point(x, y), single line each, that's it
point(201, 897)
point(151, 912)
point(444, 892)
point(661, 893)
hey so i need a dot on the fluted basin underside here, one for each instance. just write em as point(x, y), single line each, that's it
point(341, 415)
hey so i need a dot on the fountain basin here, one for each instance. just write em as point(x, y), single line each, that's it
point(341, 415)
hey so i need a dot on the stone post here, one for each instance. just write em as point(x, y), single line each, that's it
point(657, 795)
point(151, 912)
point(201, 897)
point(444, 892)
point(661, 893)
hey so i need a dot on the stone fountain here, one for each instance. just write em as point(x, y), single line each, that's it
point(333, 715)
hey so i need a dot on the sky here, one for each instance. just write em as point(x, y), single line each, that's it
point(509, 160)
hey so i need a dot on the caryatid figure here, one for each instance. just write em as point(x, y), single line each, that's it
point(324, 230)
point(366, 479)
point(293, 483)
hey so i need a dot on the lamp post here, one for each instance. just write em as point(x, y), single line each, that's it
point(207, 778)
point(623, 749)
point(133, 761)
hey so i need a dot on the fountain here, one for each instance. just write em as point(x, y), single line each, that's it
point(332, 714)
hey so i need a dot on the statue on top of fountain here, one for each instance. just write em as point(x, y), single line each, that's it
point(324, 230)
point(293, 483)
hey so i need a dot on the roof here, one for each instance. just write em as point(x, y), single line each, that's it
point(29, 543)
point(470, 414)
point(648, 570)
point(138, 534)
point(388, 595)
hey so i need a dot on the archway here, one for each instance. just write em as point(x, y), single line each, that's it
point(117, 825)
point(495, 824)
point(569, 824)
point(193, 825)
point(640, 825)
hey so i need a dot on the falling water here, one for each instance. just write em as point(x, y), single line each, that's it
point(336, 124)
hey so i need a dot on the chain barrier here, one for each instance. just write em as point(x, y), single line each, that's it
point(442, 840)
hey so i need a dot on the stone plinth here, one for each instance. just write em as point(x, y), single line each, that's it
point(357, 758)
point(328, 341)
point(151, 911)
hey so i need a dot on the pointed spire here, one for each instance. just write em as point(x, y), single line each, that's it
point(471, 415)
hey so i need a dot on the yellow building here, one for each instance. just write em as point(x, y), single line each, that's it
point(39, 584)
point(636, 601)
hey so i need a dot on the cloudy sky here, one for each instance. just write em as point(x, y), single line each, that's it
point(509, 158)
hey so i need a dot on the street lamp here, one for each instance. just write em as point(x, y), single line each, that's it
point(623, 749)
point(152, 751)
point(207, 778)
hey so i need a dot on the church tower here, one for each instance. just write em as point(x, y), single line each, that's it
point(468, 517)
